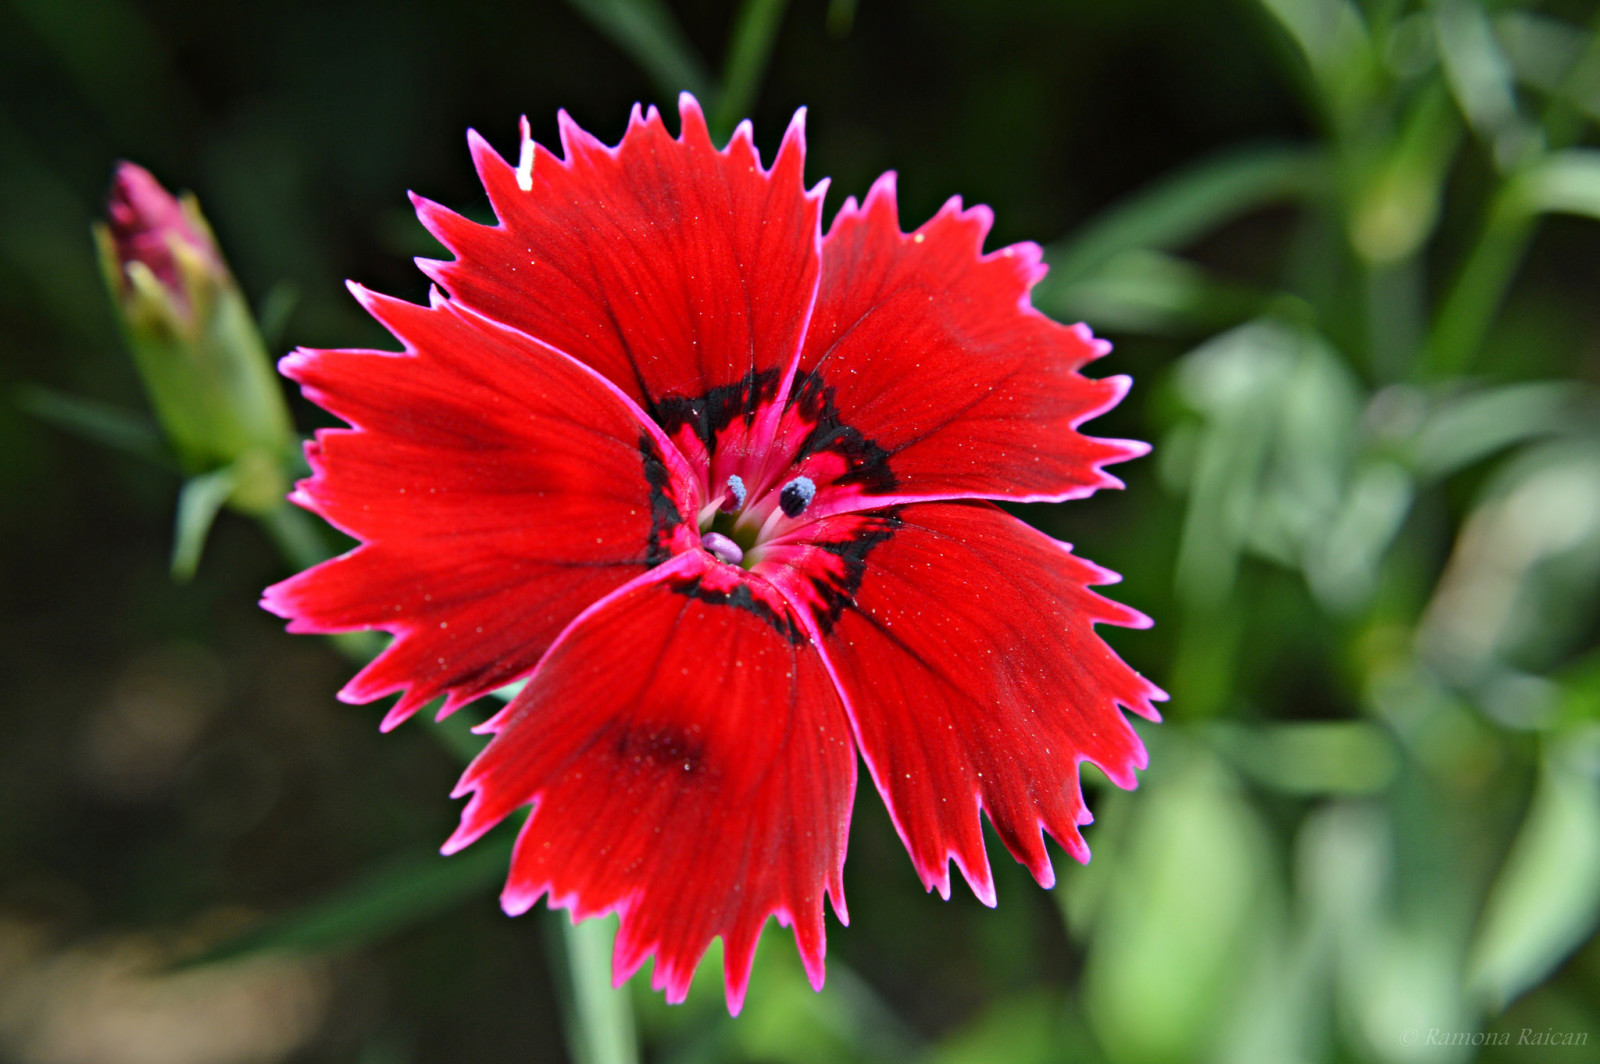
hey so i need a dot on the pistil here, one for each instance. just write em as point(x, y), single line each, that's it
point(722, 548)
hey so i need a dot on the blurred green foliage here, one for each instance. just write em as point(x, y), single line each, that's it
point(1335, 243)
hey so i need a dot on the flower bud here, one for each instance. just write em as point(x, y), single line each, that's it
point(195, 342)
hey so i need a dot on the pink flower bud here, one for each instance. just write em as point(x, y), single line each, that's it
point(148, 225)
point(194, 339)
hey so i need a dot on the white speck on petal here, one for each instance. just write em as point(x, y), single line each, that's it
point(525, 159)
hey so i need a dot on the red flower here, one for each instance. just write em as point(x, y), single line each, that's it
point(712, 481)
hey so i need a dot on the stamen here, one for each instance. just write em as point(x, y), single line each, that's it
point(796, 496)
point(734, 500)
point(722, 548)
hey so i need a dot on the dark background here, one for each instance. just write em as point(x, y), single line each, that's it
point(173, 767)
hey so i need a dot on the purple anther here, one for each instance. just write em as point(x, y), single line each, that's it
point(722, 548)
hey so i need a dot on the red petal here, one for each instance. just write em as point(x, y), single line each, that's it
point(689, 766)
point(670, 267)
point(925, 358)
point(963, 643)
point(499, 488)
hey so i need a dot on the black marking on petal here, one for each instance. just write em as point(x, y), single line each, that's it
point(866, 463)
point(664, 515)
point(717, 409)
point(663, 747)
point(837, 589)
point(741, 598)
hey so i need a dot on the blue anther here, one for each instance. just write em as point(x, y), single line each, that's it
point(796, 496)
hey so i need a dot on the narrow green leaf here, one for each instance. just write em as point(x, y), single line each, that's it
point(379, 904)
point(1546, 900)
point(1156, 294)
point(1236, 382)
point(1481, 79)
point(1559, 59)
point(1398, 205)
point(841, 17)
point(298, 536)
point(753, 35)
point(1332, 37)
point(1311, 757)
point(1542, 51)
point(1567, 182)
point(1188, 204)
point(276, 309)
point(103, 423)
point(1342, 564)
point(1467, 428)
point(647, 31)
point(199, 502)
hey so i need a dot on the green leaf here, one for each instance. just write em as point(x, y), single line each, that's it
point(379, 904)
point(276, 309)
point(754, 32)
point(1464, 429)
point(103, 423)
point(299, 536)
point(1557, 58)
point(1311, 757)
point(1279, 413)
point(1546, 900)
point(199, 502)
point(1342, 563)
point(1188, 204)
point(1566, 182)
point(647, 31)
point(1519, 584)
point(1021, 1028)
point(1333, 39)
point(1156, 294)
point(1184, 927)
point(1398, 205)
point(1481, 79)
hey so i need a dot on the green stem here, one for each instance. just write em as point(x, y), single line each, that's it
point(1479, 288)
point(754, 32)
point(1394, 317)
point(297, 537)
point(600, 1015)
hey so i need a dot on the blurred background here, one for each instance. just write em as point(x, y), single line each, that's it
point(1349, 252)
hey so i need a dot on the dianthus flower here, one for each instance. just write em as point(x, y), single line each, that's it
point(716, 484)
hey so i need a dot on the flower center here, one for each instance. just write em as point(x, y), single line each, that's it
point(734, 526)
